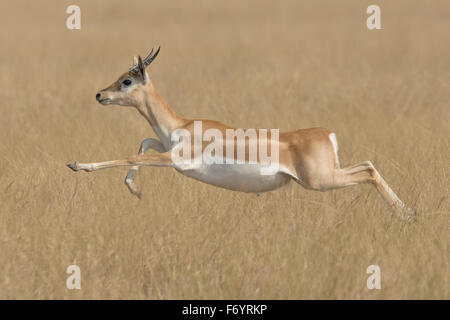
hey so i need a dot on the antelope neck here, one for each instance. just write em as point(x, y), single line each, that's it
point(163, 119)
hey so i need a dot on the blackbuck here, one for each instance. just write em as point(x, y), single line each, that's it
point(306, 156)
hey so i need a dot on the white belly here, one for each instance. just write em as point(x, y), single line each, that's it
point(238, 177)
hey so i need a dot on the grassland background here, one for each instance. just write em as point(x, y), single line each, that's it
point(261, 64)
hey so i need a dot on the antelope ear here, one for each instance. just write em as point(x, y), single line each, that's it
point(135, 60)
point(142, 70)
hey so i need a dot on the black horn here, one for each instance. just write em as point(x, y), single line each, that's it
point(135, 69)
point(150, 58)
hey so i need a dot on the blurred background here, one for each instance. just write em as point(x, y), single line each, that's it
point(260, 64)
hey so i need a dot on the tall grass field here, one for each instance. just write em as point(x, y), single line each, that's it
point(250, 64)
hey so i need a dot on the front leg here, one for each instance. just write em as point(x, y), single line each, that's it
point(157, 160)
point(149, 143)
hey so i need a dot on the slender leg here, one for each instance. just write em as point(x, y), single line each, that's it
point(158, 160)
point(365, 172)
point(149, 143)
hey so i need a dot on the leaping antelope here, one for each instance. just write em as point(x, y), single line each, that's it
point(307, 156)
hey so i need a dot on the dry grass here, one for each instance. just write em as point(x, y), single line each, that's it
point(250, 64)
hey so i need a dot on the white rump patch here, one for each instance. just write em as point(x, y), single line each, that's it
point(333, 140)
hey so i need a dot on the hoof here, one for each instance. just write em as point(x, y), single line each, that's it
point(73, 166)
point(411, 214)
point(132, 187)
point(136, 193)
point(407, 214)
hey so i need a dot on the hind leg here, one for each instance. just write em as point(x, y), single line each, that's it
point(365, 172)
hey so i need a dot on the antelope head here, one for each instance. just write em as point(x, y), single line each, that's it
point(129, 89)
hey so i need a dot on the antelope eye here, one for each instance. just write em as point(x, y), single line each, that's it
point(126, 82)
